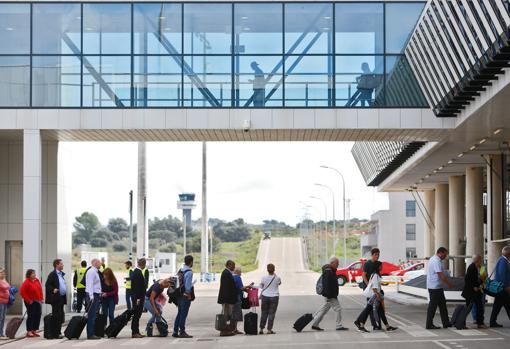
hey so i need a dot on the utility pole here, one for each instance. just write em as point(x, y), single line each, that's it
point(142, 235)
point(131, 225)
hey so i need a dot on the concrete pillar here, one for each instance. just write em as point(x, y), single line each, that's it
point(456, 224)
point(142, 233)
point(441, 217)
point(429, 212)
point(494, 209)
point(204, 243)
point(474, 212)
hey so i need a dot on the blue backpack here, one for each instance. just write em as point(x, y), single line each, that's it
point(12, 295)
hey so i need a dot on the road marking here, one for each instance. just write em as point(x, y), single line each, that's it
point(90, 343)
point(374, 335)
point(500, 332)
point(137, 342)
point(442, 345)
point(417, 331)
point(468, 332)
point(42, 344)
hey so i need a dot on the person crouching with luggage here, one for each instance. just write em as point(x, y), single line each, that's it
point(473, 290)
point(93, 290)
point(185, 299)
point(151, 303)
point(32, 294)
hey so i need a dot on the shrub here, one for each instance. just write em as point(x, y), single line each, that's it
point(98, 242)
point(119, 247)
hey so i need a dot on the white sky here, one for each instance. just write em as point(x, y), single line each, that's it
point(254, 181)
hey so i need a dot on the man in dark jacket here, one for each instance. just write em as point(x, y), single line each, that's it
point(473, 289)
point(56, 291)
point(330, 294)
point(138, 289)
point(227, 296)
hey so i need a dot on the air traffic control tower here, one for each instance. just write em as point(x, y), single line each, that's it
point(186, 203)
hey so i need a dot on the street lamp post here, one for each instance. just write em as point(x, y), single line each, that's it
point(334, 219)
point(343, 201)
point(325, 217)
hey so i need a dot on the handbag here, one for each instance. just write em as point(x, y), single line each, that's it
point(253, 297)
point(367, 292)
point(245, 302)
point(493, 287)
point(221, 322)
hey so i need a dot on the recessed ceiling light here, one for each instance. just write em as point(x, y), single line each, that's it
point(162, 17)
point(77, 17)
point(244, 17)
point(89, 29)
point(427, 176)
point(327, 17)
point(247, 29)
point(460, 155)
point(325, 28)
point(498, 131)
point(168, 28)
point(450, 161)
point(483, 140)
point(440, 168)
point(435, 171)
point(473, 147)
point(9, 29)
point(421, 181)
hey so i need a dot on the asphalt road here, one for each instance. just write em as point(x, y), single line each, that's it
point(298, 298)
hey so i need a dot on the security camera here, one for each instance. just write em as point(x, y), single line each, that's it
point(246, 125)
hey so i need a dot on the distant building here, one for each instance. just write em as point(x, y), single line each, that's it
point(398, 232)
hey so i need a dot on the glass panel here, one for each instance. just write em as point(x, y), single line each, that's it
point(152, 19)
point(402, 88)
point(157, 81)
point(258, 28)
point(14, 81)
point(400, 22)
point(106, 81)
point(308, 28)
point(57, 28)
point(207, 28)
point(207, 81)
point(56, 81)
point(14, 28)
point(106, 28)
point(359, 81)
point(308, 81)
point(258, 81)
point(359, 28)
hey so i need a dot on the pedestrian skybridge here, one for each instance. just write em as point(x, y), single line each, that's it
point(213, 55)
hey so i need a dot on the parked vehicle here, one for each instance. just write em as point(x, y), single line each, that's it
point(355, 270)
point(408, 273)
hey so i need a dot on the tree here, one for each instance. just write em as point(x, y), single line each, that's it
point(168, 223)
point(165, 235)
point(103, 233)
point(233, 231)
point(117, 247)
point(117, 225)
point(98, 242)
point(86, 225)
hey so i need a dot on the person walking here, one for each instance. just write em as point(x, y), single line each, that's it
point(109, 293)
point(502, 274)
point(32, 294)
point(185, 299)
point(482, 274)
point(227, 297)
point(4, 301)
point(435, 277)
point(138, 289)
point(127, 283)
point(152, 305)
point(79, 274)
point(93, 289)
point(368, 269)
point(269, 296)
point(473, 290)
point(56, 294)
point(330, 294)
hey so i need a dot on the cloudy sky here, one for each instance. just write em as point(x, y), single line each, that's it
point(255, 181)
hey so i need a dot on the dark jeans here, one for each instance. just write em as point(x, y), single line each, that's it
point(477, 302)
point(128, 299)
point(33, 316)
point(269, 307)
point(57, 311)
point(80, 299)
point(91, 315)
point(183, 305)
point(437, 299)
point(137, 313)
point(108, 305)
point(368, 312)
point(500, 301)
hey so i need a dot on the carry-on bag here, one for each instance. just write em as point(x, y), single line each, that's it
point(51, 330)
point(75, 327)
point(13, 326)
point(251, 321)
point(221, 322)
point(302, 322)
point(459, 316)
point(118, 324)
point(100, 324)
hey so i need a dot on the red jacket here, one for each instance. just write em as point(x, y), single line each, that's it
point(31, 291)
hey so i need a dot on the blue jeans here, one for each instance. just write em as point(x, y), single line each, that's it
point(91, 317)
point(148, 306)
point(183, 305)
point(3, 310)
point(108, 305)
point(128, 299)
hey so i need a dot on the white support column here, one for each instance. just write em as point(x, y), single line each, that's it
point(495, 209)
point(142, 233)
point(204, 247)
point(32, 193)
point(474, 211)
point(456, 225)
point(441, 217)
point(429, 212)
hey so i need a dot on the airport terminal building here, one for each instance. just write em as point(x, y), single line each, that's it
point(421, 86)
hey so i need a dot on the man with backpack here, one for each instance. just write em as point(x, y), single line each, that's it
point(327, 287)
point(184, 298)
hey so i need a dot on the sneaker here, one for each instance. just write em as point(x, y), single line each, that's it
point(93, 338)
point(227, 334)
point(317, 328)
point(358, 325)
point(391, 328)
point(432, 327)
point(137, 335)
point(175, 335)
point(482, 326)
point(496, 325)
point(341, 328)
point(377, 328)
point(184, 335)
point(271, 332)
point(3, 338)
point(261, 332)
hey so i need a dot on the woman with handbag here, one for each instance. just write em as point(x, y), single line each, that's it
point(32, 294)
point(237, 313)
point(269, 296)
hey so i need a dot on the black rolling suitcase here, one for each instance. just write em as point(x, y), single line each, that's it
point(75, 327)
point(50, 327)
point(459, 316)
point(118, 324)
point(301, 323)
point(100, 325)
point(251, 321)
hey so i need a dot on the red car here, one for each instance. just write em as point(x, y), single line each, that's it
point(355, 270)
point(402, 272)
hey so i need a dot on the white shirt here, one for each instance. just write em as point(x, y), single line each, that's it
point(435, 266)
point(93, 282)
point(272, 290)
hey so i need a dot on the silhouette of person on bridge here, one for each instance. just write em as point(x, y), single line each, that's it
point(366, 83)
point(259, 85)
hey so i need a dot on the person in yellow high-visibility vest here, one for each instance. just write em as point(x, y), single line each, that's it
point(127, 283)
point(79, 274)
